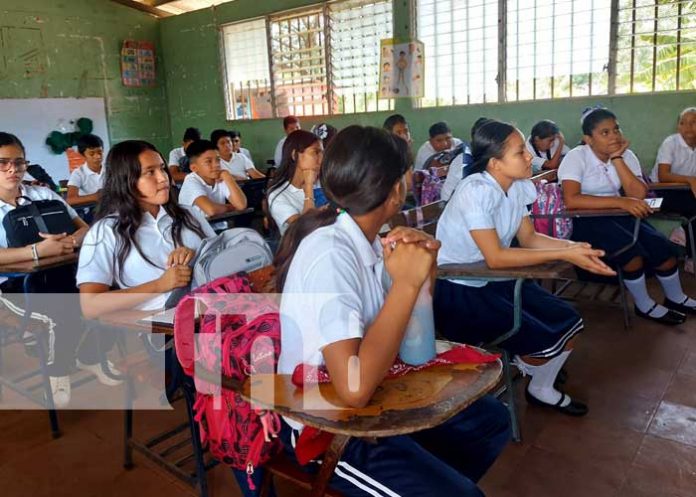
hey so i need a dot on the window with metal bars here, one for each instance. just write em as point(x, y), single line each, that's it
point(656, 46)
point(318, 61)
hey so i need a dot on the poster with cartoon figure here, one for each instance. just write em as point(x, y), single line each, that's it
point(401, 69)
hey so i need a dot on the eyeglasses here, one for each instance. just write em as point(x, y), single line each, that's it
point(20, 165)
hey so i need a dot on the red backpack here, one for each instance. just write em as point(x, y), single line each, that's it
point(239, 335)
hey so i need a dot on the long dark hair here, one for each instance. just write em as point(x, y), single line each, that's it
point(543, 129)
point(119, 201)
point(592, 117)
point(488, 143)
point(359, 170)
point(297, 142)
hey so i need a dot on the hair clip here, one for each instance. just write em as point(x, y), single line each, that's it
point(321, 131)
point(589, 110)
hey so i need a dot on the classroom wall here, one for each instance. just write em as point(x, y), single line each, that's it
point(71, 48)
point(193, 67)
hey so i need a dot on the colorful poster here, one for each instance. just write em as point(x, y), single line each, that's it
point(401, 69)
point(138, 64)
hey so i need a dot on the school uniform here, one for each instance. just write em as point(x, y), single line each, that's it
point(426, 151)
point(539, 158)
point(246, 153)
point(284, 202)
point(86, 180)
point(99, 260)
point(611, 233)
point(334, 290)
point(278, 154)
point(238, 165)
point(176, 155)
point(194, 187)
point(456, 172)
point(548, 323)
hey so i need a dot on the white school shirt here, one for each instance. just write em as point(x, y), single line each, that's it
point(426, 151)
point(680, 156)
point(238, 165)
point(539, 158)
point(194, 186)
point(175, 156)
point(34, 193)
point(246, 153)
point(480, 203)
point(278, 154)
point(285, 202)
point(595, 176)
point(334, 290)
point(455, 174)
point(98, 256)
point(86, 180)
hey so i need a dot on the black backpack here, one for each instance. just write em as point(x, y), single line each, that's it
point(24, 223)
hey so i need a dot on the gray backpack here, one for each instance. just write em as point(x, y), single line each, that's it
point(232, 251)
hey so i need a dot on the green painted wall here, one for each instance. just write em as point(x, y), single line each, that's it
point(71, 48)
point(195, 88)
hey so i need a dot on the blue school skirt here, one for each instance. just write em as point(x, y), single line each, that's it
point(613, 233)
point(479, 315)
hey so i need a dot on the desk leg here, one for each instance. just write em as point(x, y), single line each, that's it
point(690, 232)
point(328, 465)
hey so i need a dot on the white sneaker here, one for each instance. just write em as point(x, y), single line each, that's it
point(96, 370)
point(60, 387)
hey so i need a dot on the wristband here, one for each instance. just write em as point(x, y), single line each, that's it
point(309, 198)
point(617, 157)
point(34, 253)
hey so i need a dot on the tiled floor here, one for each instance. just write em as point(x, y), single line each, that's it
point(639, 439)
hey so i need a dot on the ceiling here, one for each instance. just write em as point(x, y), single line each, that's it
point(176, 7)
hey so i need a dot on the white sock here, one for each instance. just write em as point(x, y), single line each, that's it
point(673, 290)
point(639, 292)
point(543, 377)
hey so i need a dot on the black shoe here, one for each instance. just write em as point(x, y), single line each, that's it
point(684, 309)
point(672, 318)
point(574, 408)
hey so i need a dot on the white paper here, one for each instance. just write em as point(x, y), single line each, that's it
point(654, 203)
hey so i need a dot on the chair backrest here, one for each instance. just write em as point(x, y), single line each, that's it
point(424, 217)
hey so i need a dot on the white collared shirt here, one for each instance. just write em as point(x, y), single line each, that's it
point(99, 254)
point(175, 156)
point(246, 153)
point(278, 154)
point(455, 174)
point(479, 203)
point(426, 151)
point(238, 165)
point(194, 187)
point(678, 154)
point(284, 202)
point(540, 158)
point(86, 180)
point(595, 176)
point(34, 193)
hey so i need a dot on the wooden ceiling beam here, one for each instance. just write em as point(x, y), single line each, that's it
point(157, 3)
point(144, 8)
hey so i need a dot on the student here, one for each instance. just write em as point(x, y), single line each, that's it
point(325, 132)
point(67, 331)
point(604, 174)
point(396, 124)
point(459, 165)
point(290, 124)
point(178, 164)
point(291, 191)
point(440, 140)
point(86, 181)
point(236, 163)
point(237, 145)
point(676, 163)
point(142, 242)
point(488, 210)
point(547, 145)
point(208, 188)
point(336, 252)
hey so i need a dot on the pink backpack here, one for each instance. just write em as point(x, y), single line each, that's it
point(248, 342)
point(429, 188)
point(550, 201)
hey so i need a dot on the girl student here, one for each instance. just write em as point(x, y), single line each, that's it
point(291, 191)
point(67, 332)
point(603, 173)
point(547, 145)
point(372, 285)
point(488, 210)
point(142, 241)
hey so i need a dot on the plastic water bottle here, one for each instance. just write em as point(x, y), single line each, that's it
point(418, 344)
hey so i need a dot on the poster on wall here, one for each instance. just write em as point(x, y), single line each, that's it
point(401, 69)
point(138, 64)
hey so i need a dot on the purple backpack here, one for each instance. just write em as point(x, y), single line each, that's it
point(550, 201)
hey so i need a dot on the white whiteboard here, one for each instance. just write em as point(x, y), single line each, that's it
point(33, 119)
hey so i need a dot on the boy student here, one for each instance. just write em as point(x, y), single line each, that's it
point(396, 125)
point(440, 140)
point(178, 163)
point(237, 144)
point(86, 181)
point(290, 124)
point(236, 163)
point(209, 187)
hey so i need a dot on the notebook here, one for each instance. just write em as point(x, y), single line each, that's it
point(654, 203)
